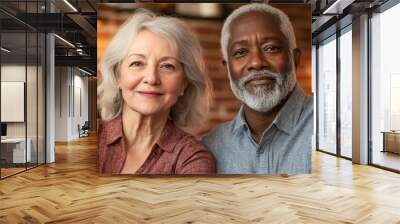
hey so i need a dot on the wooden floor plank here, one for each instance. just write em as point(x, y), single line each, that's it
point(70, 191)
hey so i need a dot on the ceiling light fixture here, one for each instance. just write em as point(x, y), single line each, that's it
point(64, 40)
point(5, 49)
point(84, 71)
point(337, 7)
point(70, 5)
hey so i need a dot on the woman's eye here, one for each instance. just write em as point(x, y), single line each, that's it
point(135, 64)
point(169, 67)
point(239, 53)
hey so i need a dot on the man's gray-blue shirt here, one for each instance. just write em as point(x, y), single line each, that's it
point(285, 146)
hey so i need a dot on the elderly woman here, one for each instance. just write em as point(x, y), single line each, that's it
point(154, 85)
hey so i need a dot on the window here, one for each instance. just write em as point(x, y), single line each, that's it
point(346, 92)
point(327, 95)
point(385, 88)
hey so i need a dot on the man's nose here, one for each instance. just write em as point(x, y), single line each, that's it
point(257, 60)
point(151, 75)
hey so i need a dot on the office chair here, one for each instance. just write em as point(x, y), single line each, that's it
point(84, 130)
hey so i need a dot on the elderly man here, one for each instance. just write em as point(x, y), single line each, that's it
point(272, 132)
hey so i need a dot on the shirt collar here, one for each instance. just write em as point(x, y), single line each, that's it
point(286, 118)
point(239, 120)
point(167, 141)
point(113, 129)
point(289, 114)
point(170, 136)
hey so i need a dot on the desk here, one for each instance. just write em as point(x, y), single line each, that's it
point(391, 141)
point(13, 150)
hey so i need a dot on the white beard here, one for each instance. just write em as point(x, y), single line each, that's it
point(263, 98)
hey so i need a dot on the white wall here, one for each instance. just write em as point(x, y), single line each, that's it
point(12, 73)
point(70, 84)
point(61, 103)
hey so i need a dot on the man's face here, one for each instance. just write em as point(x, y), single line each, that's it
point(260, 64)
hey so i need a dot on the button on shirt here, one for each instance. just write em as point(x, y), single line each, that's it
point(175, 152)
point(285, 146)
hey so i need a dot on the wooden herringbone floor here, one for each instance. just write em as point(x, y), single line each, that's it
point(70, 191)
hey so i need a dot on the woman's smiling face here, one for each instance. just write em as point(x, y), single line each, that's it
point(151, 77)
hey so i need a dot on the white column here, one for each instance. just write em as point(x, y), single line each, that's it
point(50, 100)
point(360, 90)
point(50, 92)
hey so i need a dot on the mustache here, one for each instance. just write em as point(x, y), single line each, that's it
point(266, 74)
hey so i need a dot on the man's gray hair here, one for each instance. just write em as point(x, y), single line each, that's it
point(284, 22)
point(191, 108)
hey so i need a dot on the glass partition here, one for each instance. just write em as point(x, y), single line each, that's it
point(22, 89)
point(31, 97)
point(41, 87)
point(13, 95)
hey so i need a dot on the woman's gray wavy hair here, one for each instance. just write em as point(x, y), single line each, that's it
point(284, 22)
point(190, 109)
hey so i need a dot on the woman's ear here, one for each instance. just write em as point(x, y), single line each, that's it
point(117, 75)
point(118, 82)
point(185, 85)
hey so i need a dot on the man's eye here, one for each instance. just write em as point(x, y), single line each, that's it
point(135, 64)
point(271, 49)
point(167, 66)
point(239, 53)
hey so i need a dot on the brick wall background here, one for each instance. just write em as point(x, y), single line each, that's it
point(225, 105)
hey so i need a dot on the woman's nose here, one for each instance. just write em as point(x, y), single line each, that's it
point(151, 76)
